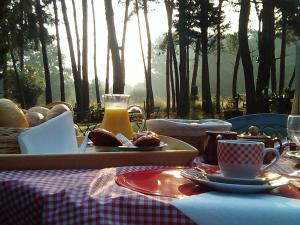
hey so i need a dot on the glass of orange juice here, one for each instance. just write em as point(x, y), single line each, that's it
point(116, 116)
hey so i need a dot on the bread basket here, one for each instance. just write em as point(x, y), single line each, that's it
point(189, 131)
point(9, 140)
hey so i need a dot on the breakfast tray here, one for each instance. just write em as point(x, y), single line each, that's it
point(177, 153)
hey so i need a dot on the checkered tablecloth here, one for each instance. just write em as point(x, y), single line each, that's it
point(81, 197)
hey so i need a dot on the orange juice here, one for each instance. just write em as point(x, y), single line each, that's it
point(116, 120)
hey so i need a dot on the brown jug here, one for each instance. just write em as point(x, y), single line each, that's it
point(210, 151)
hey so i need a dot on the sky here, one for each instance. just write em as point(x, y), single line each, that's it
point(133, 64)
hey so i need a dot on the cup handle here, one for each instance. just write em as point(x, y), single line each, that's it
point(266, 150)
point(279, 142)
point(132, 108)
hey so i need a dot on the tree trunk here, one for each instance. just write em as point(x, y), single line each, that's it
point(59, 58)
point(42, 36)
point(206, 93)
point(183, 42)
point(196, 62)
point(77, 40)
point(107, 67)
point(21, 37)
point(95, 56)
point(235, 73)
point(272, 53)
point(218, 92)
point(168, 81)
point(172, 81)
point(175, 91)
point(19, 84)
point(176, 73)
point(292, 78)
point(282, 52)
point(85, 80)
point(265, 54)
point(245, 56)
point(188, 69)
point(76, 77)
point(149, 56)
point(124, 37)
point(143, 58)
point(118, 78)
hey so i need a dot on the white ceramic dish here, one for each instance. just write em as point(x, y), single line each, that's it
point(226, 187)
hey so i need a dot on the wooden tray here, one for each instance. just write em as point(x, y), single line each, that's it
point(177, 153)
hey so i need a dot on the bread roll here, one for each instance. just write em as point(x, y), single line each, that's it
point(101, 137)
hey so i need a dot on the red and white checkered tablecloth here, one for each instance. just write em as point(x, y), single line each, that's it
point(81, 197)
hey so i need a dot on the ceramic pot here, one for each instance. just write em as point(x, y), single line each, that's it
point(210, 151)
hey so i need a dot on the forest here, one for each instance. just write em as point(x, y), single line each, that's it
point(197, 62)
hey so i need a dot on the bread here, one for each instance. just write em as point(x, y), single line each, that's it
point(146, 139)
point(101, 137)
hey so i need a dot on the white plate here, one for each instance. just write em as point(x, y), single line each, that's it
point(130, 148)
point(226, 187)
point(218, 177)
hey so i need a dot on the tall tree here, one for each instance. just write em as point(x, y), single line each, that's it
point(19, 85)
point(143, 57)
point(118, 77)
point(126, 17)
point(245, 56)
point(76, 77)
point(168, 81)
point(266, 50)
point(60, 64)
point(149, 89)
point(183, 105)
point(218, 107)
point(42, 36)
point(107, 67)
point(77, 39)
point(85, 80)
point(196, 62)
point(173, 58)
point(95, 56)
point(204, 24)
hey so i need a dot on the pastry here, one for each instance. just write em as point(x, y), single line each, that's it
point(101, 137)
point(145, 139)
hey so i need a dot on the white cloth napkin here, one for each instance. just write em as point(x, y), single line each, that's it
point(192, 128)
point(56, 135)
point(216, 208)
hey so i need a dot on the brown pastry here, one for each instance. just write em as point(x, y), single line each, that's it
point(144, 133)
point(101, 137)
point(147, 140)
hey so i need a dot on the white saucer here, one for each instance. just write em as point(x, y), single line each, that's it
point(201, 178)
point(218, 177)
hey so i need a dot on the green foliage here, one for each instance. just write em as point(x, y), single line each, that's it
point(33, 85)
point(96, 113)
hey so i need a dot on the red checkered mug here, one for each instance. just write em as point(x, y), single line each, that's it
point(243, 159)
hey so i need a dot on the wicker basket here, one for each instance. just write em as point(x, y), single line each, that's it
point(9, 140)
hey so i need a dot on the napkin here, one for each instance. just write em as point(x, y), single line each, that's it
point(193, 128)
point(56, 135)
point(216, 208)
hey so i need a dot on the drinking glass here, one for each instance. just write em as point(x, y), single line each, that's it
point(293, 129)
point(116, 114)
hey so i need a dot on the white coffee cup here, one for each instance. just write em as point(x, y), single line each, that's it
point(243, 159)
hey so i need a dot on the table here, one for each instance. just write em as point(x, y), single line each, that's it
point(83, 197)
